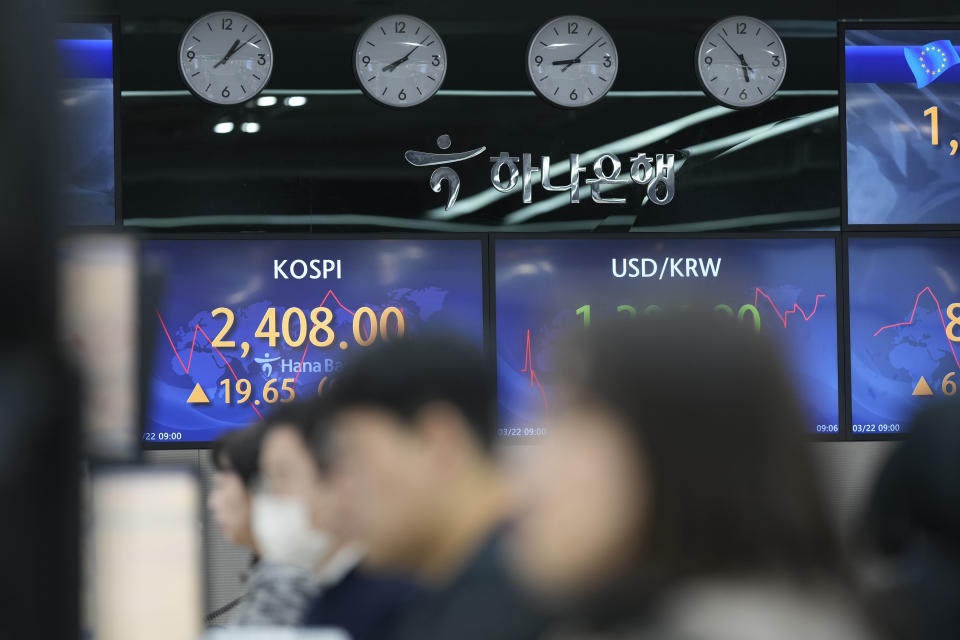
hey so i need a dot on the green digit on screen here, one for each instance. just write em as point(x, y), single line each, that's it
point(724, 307)
point(585, 312)
point(753, 310)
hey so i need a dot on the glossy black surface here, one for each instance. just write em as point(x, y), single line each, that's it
point(337, 161)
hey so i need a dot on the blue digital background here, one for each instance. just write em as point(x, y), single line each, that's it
point(541, 283)
point(889, 278)
point(86, 107)
point(894, 174)
point(438, 284)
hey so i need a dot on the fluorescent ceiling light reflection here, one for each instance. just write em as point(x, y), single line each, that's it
point(223, 127)
point(266, 101)
point(295, 101)
point(250, 127)
point(729, 144)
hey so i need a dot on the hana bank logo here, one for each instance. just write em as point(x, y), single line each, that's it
point(522, 172)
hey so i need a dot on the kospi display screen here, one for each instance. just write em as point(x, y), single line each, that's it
point(902, 111)
point(86, 110)
point(904, 328)
point(246, 324)
point(787, 288)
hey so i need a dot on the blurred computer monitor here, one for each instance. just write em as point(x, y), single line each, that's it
point(145, 563)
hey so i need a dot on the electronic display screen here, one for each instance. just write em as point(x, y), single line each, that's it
point(902, 113)
point(904, 328)
point(246, 324)
point(86, 109)
point(546, 287)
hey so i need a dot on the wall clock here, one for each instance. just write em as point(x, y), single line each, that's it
point(225, 58)
point(572, 61)
point(400, 61)
point(741, 62)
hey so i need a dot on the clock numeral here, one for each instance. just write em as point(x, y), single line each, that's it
point(400, 26)
point(436, 60)
point(607, 60)
point(708, 61)
point(191, 54)
point(226, 92)
point(572, 27)
point(743, 94)
point(365, 60)
point(402, 95)
point(573, 95)
point(227, 24)
point(741, 28)
point(538, 60)
point(261, 59)
point(776, 61)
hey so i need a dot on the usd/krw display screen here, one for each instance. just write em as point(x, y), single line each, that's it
point(87, 123)
point(904, 328)
point(548, 287)
point(902, 126)
point(247, 324)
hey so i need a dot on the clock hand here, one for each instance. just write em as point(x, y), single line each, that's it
point(743, 62)
point(577, 59)
point(232, 50)
point(729, 45)
point(236, 46)
point(745, 67)
point(559, 62)
point(393, 65)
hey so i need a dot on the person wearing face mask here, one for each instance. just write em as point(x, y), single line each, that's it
point(275, 590)
point(294, 523)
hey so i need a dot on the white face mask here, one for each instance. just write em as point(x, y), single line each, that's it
point(284, 533)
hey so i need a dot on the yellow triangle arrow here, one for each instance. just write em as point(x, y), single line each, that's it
point(922, 388)
point(199, 396)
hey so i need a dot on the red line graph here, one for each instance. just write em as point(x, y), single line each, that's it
point(782, 316)
point(534, 380)
point(914, 313)
point(330, 292)
point(796, 307)
point(198, 328)
point(186, 368)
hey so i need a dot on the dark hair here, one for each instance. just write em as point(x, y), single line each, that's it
point(308, 419)
point(239, 451)
point(722, 439)
point(402, 376)
point(916, 494)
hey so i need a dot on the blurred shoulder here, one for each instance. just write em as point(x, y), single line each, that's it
point(745, 610)
point(762, 610)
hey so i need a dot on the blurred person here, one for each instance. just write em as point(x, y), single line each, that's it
point(275, 592)
point(295, 525)
point(675, 496)
point(412, 424)
point(234, 456)
point(913, 518)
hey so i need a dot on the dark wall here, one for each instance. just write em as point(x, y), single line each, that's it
point(337, 161)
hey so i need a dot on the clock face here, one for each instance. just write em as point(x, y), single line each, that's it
point(400, 61)
point(741, 62)
point(225, 58)
point(572, 61)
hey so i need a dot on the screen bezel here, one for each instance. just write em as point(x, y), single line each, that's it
point(483, 238)
point(114, 22)
point(885, 235)
point(842, 346)
point(891, 25)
